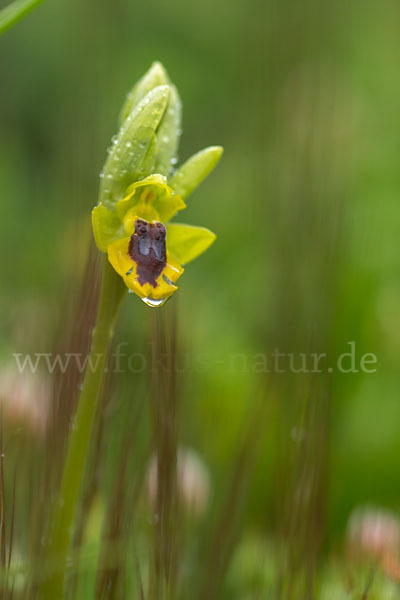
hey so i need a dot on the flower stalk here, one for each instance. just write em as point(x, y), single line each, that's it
point(62, 518)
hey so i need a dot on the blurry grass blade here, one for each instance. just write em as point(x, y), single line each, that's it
point(128, 153)
point(187, 242)
point(167, 139)
point(154, 77)
point(14, 12)
point(194, 170)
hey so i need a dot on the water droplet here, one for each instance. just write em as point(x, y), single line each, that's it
point(128, 144)
point(101, 175)
point(114, 139)
point(165, 139)
point(154, 302)
point(174, 161)
point(109, 176)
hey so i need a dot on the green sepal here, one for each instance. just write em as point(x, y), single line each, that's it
point(194, 170)
point(187, 242)
point(129, 153)
point(153, 78)
point(107, 227)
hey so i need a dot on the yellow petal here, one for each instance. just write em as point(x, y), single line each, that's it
point(151, 199)
point(187, 242)
point(173, 270)
point(118, 255)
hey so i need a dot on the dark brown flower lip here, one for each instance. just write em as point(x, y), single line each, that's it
point(147, 248)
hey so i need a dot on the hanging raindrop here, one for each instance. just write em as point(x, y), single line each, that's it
point(153, 302)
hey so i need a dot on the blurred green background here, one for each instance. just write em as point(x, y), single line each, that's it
point(305, 99)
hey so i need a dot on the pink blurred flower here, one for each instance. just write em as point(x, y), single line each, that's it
point(193, 481)
point(24, 398)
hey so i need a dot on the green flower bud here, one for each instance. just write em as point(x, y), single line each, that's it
point(132, 154)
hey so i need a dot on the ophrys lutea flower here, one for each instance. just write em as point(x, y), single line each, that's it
point(143, 246)
point(140, 193)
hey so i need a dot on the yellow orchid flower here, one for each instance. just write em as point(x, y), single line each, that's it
point(131, 223)
point(143, 247)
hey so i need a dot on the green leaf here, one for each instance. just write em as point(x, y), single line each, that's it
point(167, 139)
point(107, 227)
point(154, 77)
point(194, 170)
point(187, 242)
point(128, 156)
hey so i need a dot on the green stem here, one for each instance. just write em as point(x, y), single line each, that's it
point(11, 14)
point(62, 518)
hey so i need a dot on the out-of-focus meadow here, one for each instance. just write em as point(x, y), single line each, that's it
point(305, 99)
